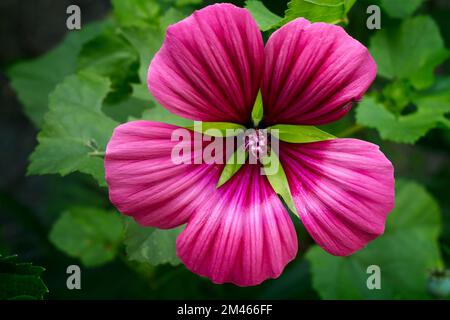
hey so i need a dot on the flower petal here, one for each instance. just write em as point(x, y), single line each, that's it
point(313, 73)
point(243, 235)
point(343, 190)
point(145, 183)
point(210, 65)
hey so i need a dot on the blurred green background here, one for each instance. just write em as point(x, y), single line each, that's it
point(54, 208)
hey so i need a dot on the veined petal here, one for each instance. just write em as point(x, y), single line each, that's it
point(210, 65)
point(313, 73)
point(242, 235)
point(343, 190)
point(145, 183)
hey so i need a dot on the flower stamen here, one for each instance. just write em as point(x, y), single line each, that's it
point(257, 143)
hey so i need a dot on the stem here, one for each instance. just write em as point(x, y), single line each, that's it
point(97, 153)
point(350, 130)
point(92, 144)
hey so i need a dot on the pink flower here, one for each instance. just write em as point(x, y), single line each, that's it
point(210, 68)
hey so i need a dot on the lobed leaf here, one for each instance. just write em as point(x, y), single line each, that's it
point(33, 80)
point(110, 55)
point(20, 281)
point(75, 131)
point(431, 110)
point(90, 234)
point(405, 53)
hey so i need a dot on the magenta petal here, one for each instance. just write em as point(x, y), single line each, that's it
point(145, 183)
point(210, 65)
point(243, 235)
point(343, 190)
point(313, 73)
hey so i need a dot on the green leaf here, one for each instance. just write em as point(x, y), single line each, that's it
point(169, 17)
point(435, 99)
point(161, 114)
point(404, 128)
point(183, 3)
point(110, 55)
point(257, 111)
point(234, 163)
point(75, 130)
point(398, 95)
point(151, 245)
point(299, 134)
point(20, 281)
point(265, 19)
point(406, 252)
point(405, 53)
point(156, 112)
point(218, 129)
point(140, 25)
point(141, 91)
point(132, 13)
point(33, 80)
point(330, 11)
point(90, 234)
point(400, 8)
point(129, 107)
point(278, 180)
point(144, 25)
point(147, 41)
